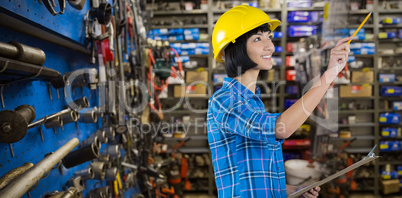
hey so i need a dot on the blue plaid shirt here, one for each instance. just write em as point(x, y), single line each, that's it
point(246, 157)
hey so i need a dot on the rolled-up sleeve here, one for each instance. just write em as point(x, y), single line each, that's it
point(237, 117)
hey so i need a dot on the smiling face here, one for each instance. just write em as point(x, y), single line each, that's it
point(260, 49)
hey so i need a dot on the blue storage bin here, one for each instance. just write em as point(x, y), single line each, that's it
point(362, 51)
point(390, 118)
point(277, 34)
point(278, 49)
point(387, 78)
point(277, 61)
point(351, 59)
point(202, 45)
point(289, 102)
point(397, 105)
point(389, 132)
point(292, 89)
point(189, 37)
point(190, 31)
point(390, 146)
point(302, 30)
point(391, 91)
point(188, 52)
point(389, 175)
point(298, 17)
point(176, 38)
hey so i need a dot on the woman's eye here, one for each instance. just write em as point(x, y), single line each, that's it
point(257, 39)
point(270, 36)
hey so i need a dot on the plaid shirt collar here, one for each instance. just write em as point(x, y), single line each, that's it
point(236, 86)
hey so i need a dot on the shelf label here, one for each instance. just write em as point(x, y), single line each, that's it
point(400, 172)
point(383, 119)
point(385, 133)
point(383, 146)
point(391, 91)
point(386, 176)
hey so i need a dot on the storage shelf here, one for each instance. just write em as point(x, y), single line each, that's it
point(191, 150)
point(390, 40)
point(193, 137)
point(383, 162)
point(307, 9)
point(179, 12)
point(359, 11)
point(391, 83)
point(189, 41)
point(357, 25)
point(355, 111)
point(390, 26)
point(390, 68)
point(186, 112)
point(179, 26)
point(390, 55)
point(368, 124)
point(220, 11)
point(361, 137)
point(392, 11)
point(358, 150)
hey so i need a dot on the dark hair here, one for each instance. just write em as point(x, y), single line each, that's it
point(236, 57)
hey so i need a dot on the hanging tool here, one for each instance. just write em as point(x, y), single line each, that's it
point(24, 53)
point(77, 4)
point(16, 172)
point(14, 124)
point(81, 155)
point(62, 4)
point(19, 186)
point(85, 174)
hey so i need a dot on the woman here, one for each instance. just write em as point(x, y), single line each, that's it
point(245, 141)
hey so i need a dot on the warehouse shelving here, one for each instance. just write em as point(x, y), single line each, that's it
point(280, 95)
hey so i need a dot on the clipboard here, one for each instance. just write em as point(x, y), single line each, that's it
point(370, 157)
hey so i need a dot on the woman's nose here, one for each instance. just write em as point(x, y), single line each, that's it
point(269, 46)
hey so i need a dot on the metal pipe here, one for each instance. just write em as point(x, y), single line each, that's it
point(101, 136)
point(100, 192)
point(40, 121)
point(18, 187)
point(71, 117)
point(11, 175)
point(81, 155)
point(87, 173)
point(54, 123)
point(91, 140)
point(113, 151)
point(88, 116)
point(111, 173)
point(21, 52)
point(99, 169)
point(81, 103)
point(59, 82)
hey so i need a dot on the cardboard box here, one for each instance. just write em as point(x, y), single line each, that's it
point(193, 76)
point(390, 186)
point(362, 76)
point(350, 91)
point(190, 91)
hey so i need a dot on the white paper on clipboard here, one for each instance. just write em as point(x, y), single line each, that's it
point(370, 157)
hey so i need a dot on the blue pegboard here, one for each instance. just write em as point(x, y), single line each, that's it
point(70, 24)
point(31, 148)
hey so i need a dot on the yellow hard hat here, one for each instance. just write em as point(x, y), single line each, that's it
point(236, 22)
